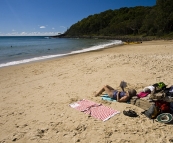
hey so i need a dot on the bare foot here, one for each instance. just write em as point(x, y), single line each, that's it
point(95, 94)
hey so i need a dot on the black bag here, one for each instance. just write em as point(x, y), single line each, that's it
point(169, 91)
point(152, 112)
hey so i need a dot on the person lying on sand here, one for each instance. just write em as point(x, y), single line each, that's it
point(120, 96)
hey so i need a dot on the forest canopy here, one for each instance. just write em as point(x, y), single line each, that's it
point(139, 20)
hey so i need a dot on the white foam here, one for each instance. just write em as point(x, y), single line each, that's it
point(97, 47)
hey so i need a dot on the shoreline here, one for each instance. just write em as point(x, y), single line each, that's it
point(60, 55)
point(108, 47)
point(35, 97)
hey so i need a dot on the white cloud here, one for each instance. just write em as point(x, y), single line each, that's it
point(53, 28)
point(23, 33)
point(42, 26)
point(62, 26)
point(30, 34)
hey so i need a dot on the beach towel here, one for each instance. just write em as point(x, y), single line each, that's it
point(95, 110)
point(107, 98)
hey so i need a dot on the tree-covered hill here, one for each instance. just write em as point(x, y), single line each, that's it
point(134, 21)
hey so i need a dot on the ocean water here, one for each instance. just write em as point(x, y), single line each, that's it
point(22, 49)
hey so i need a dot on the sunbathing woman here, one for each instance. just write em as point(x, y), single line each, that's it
point(120, 96)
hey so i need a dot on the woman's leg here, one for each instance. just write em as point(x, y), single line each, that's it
point(109, 90)
point(100, 92)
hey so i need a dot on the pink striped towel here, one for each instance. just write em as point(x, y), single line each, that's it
point(95, 110)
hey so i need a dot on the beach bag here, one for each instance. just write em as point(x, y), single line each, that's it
point(169, 91)
point(161, 85)
point(163, 106)
point(168, 99)
point(141, 102)
point(152, 112)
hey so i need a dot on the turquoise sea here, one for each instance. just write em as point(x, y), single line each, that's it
point(22, 49)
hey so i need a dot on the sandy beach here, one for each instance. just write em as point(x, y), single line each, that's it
point(35, 97)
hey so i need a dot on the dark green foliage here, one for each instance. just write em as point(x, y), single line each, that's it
point(140, 20)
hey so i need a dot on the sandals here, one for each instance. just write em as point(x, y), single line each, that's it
point(130, 113)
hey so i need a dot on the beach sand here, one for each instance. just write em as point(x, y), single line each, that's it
point(35, 97)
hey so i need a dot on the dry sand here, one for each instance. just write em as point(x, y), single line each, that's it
point(35, 97)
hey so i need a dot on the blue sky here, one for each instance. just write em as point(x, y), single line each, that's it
point(50, 17)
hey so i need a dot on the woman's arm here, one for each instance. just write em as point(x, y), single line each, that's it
point(122, 88)
point(123, 85)
point(123, 99)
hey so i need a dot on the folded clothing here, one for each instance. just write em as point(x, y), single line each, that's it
point(142, 94)
point(149, 89)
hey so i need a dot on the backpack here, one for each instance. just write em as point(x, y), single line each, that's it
point(152, 112)
point(161, 85)
point(163, 106)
